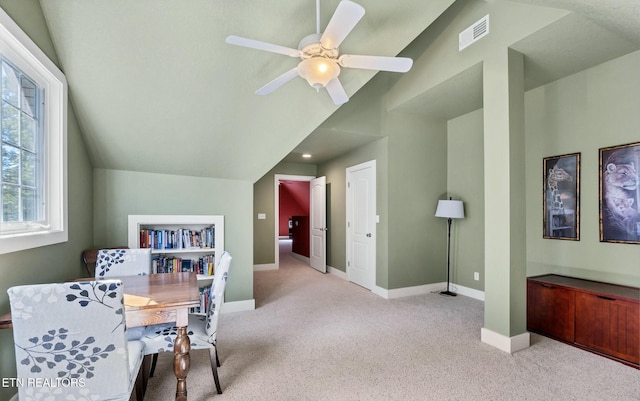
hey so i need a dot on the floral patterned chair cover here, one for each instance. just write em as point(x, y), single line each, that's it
point(70, 342)
point(201, 329)
point(123, 262)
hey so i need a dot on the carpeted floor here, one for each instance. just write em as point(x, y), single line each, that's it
point(315, 337)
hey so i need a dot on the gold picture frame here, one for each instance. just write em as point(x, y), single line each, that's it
point(619, 193)
point(561, 197)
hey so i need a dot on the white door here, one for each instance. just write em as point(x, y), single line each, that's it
point(361, 224)
point(318, 223)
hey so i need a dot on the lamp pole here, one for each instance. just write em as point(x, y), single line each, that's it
point(447, 292)
point(449, 209)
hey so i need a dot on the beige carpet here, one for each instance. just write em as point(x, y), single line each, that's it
point(314, 337)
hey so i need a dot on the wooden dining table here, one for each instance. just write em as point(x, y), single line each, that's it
point(164, 298)
point(155, 299)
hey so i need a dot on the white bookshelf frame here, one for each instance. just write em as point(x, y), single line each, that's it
point(160, 222)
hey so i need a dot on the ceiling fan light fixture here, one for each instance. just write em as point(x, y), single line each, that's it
point(318, 71)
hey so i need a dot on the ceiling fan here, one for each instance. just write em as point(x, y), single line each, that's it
point(321, 61)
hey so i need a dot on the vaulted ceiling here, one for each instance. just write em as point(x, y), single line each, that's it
point(156, 88)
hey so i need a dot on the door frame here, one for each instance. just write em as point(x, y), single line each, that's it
point(276, 208)
point(348, 217)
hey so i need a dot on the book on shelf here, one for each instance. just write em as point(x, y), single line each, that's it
point(205, 294)
point(181, 238)
point(203, 265)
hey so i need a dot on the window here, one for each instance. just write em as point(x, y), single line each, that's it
point(33, 166)
point(22, 142)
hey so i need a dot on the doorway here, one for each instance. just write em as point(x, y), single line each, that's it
point(361, 224)
point(281, 225)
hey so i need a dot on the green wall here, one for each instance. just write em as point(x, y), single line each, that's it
point(595, 108)
point(465, 181)
point(61, 261)
point(417, 179)
point(121, 193)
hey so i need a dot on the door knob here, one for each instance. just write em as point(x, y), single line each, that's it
point(369, 235)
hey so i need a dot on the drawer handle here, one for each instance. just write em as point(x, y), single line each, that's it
point(606, 298)
point(548, 286)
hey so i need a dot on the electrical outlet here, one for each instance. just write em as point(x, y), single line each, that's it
point(476, 276)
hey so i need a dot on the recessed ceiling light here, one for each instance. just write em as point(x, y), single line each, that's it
point(306, 155)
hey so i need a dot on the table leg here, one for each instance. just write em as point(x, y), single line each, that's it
point(181, 362)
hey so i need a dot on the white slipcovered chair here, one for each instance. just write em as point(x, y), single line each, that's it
point(71, 342)
point(201, 328)
point(123, 262)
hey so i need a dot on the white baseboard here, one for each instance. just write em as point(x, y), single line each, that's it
point(426, 289)
point(337, 272)
point(504, 343)
point(416, 290)
point(468, 292)
point(407, 291)
point(238, 306)
point(266, 266)
point(301, 258)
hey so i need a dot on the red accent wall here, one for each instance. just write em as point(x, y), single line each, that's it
point(294, 201)
point(300, 244)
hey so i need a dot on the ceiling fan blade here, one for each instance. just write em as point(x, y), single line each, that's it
point(336, 92)
point(380, 63)
point(256, 44)
point(278, 82)
point(342, 22)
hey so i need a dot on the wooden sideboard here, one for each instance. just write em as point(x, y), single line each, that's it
point(598, 317)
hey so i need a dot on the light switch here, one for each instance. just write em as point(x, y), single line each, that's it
point(377, 218)
point(262, 216)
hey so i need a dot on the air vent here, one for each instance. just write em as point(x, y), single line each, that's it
point(474, 32)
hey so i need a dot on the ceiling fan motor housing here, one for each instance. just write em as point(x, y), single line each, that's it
point(310, 46)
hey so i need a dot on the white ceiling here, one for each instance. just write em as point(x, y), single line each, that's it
point(159, 72)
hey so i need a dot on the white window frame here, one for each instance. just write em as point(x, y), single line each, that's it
point(17, 47)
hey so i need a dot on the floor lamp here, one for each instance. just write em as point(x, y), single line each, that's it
point(449, 209)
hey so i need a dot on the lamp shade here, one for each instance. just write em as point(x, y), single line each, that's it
point(450, 209)
point(318, 71)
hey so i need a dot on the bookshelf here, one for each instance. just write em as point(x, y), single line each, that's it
point(180, 243)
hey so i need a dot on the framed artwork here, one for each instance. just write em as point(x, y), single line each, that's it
point(619, 194)
point(561, 197)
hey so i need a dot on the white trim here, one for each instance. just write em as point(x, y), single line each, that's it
point(417, 290)
point(411, 291)
point(426, 289)
point(468, 292)
point(337, 272)
point(276, 207)
point(27, 56)
point(381, 292)
point(238, 306)
point(504, 343)
point(265, 266)
point(302, 258)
